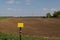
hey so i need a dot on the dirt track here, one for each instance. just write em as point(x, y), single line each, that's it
point(33, 26)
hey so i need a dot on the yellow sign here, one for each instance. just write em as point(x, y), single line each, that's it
point(21, 25)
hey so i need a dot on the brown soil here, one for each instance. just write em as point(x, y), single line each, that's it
point(32, 26)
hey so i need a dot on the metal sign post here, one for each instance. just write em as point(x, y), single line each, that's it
point(20, 33)
point(20, 26)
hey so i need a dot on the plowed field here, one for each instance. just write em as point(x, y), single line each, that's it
point(32, 26)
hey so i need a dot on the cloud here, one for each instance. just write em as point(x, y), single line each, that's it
point(11, 9)
point(46, 10)
point(51, 9)
point(28, 2)
point(55, 9)
point(12, 1)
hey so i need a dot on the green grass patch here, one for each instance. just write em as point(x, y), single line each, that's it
point(4, 36)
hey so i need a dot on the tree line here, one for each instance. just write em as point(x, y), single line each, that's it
point(56, 14)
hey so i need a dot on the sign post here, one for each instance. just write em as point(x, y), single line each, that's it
point(20, 26)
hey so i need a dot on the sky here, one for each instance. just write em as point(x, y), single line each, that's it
point(28, 7)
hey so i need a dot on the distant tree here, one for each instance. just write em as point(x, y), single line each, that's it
point(56, 14)
point(48, 15)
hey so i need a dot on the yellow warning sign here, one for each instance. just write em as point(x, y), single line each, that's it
point(21, 25)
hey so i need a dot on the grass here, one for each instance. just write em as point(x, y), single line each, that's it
point(4, 36)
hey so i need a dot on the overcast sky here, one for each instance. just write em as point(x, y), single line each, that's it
point(28, 7)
